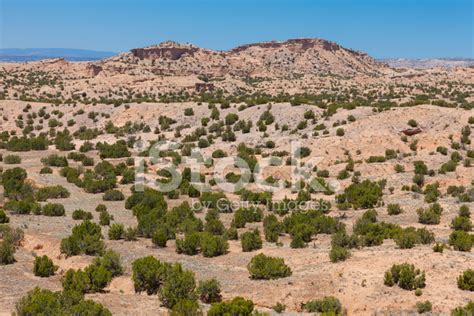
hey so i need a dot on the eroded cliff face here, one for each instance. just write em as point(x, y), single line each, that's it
point(171, 53)
point(266, 59)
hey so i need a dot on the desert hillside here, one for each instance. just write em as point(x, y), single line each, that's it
point(293, 178)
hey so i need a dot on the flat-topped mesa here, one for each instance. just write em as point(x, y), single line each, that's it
point(166, 50)
point(298, 44)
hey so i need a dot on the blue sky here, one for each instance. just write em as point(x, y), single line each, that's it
point(382, 28)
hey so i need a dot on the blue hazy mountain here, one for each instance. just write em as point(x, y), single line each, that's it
point(32, 54)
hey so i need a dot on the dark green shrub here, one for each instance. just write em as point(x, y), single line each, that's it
point(160, 237)
point(82, 215)
point(338, 253)
point(113, 195)
point(251, 241)
point(54, 161)
point(53, 209)
point(130, 234)
point(13, 181)
point(361, 195)
point(11, 160)
point(430, 216)
point(423, 307)
point(186, 307)
point(215, 227)
point(178, 284)
point(4, 219)
point(209, 291)
point(406, 276)
point(461, 223)
point(117, 150)
point(7, 251)
point(189, 245)
point(464, 211)
point(53, 192)
point(279, 308)
point(105, 218)
point(85, 238)
point(246, 215)
point(212, 246)
point(328, 304)
point(46, 170)
point(266, 268)
point(467, 310)
point(406, 240)
point(111, 261)
point(461, 240)
point(394, 209)
point(44, 302)
point(44, 267)
point(272, 228)
point(237, 306)
point(116, 231)
point(93, 279)
point(148, 274)
point(231, 234)
point(439, 247)
point(466, 280)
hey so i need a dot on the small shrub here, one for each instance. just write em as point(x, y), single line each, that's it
point(461, 223)
point(279, 308)
point(105, 218)
point(113, 195)
point(423, 307)
point(44, 267)
point(160, 237)
point(46, 170)
point(327, 304)
point(212, 246)
point(461, 240)
point(81, 215)
point(53, 209)
point(186, 307)
point(439, 247)
point(237, 306)
point(7, 251)
point(394, 209)
point(85, 238)
point(406, 276)
point(466, 280)
point(251, 241)
point(338, 253)
point(116, 231)
point(4, 219)
point(11, 160)
point(209, 291)
point(430, 216)
point(130, 234)
point(467, 310)
point(177, 285)
point(266, 268)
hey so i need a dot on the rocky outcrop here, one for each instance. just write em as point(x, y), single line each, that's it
point(94, 70)
point(157, 52)
point(204, 87)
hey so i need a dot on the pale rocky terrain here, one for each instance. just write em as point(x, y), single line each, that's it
point(324, 67)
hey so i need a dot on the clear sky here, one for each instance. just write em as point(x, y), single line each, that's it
point(382, 28)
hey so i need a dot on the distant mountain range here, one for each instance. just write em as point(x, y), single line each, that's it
point(33, 54)
point(428, 62)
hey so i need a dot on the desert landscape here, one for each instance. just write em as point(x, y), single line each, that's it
point(366, 207)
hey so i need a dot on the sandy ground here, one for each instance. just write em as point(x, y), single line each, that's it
point(357, 282)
